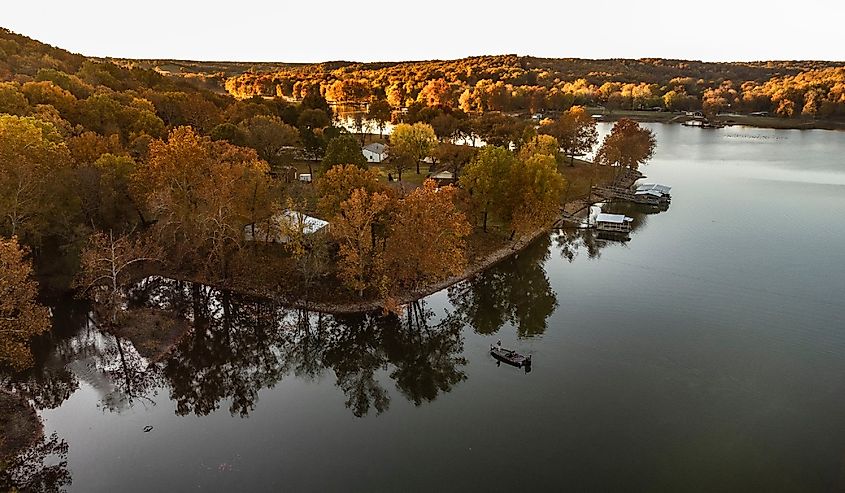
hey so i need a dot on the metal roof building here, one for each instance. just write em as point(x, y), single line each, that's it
point(613, 218)
point(662, 189)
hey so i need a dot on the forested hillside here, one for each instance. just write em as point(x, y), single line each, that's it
point(511, 83)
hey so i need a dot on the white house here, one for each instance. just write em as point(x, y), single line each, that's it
point(375, 152)
point(274, 229)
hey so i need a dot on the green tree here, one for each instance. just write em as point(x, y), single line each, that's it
point(270, 137)
point(229, 132)
point(412, 143)
point(485, 180)
point(380, 112)
point(12, 100)
point(343, 149)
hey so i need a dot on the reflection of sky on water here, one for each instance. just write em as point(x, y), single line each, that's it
point(714, 336)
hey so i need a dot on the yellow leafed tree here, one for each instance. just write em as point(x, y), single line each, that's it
point(360, 265)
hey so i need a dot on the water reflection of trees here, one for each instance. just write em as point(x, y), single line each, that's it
point(517, 292)
point(572, 242)
point(240, 345)
point(42, 467)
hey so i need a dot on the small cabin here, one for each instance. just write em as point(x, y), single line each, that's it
point(613, 223)
point(375, 152)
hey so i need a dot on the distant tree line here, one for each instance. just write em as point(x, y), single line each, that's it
point(512, 83)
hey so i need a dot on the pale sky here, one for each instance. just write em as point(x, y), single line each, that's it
point(321, 30)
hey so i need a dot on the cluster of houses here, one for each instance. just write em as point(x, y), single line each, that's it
point(275, 229)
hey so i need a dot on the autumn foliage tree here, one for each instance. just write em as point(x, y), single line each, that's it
point(361, 260)
point(201, 194)
point(409, 144)
point(541, 144)
point(427, 237)
point(106, 266)
point(34, 174)
point(337, 185)
point(627, 145)
point(21, 316)
point(575, 131)
point(534, 193)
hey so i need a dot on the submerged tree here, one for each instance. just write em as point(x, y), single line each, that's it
point(32, 470)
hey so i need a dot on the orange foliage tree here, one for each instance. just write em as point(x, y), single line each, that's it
point(21, 316)
point(361, 262)
point(627, 145)
point(338, 183)
point(427, 237)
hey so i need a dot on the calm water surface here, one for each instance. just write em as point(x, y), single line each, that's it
point(706, 354)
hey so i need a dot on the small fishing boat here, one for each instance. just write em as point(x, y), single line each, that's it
point(509, 356)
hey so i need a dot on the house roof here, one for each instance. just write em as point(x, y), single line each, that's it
point(653, 193)
point(310, 224)
point(443, 175)
point(663, 189)
point(375, 147)
point(613, 218)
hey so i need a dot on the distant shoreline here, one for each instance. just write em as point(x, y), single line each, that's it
point(772, 122)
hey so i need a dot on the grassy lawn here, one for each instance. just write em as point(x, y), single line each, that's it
point(578, 177)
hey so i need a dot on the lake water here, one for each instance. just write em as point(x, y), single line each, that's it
point(706, 354)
